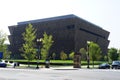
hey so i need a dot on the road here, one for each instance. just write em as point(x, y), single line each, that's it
point(52, 74)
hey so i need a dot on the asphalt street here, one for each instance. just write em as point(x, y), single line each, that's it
point(58, 74)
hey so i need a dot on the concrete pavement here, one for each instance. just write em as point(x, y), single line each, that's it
point(53, 74)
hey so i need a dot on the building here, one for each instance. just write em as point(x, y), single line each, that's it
point(70, 33)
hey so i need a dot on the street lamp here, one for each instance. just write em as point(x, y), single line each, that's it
point(38, 54)
point(88, 58)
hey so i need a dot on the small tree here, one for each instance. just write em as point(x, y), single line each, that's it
point(94, 52)
point(118, 54)
point(71, 55)
point(3, 46)
point(83, 53)
point(47, 42)
point(106, 58)
point(63, 55)
point(112, 54)
point(28, 47)
point(53, 56)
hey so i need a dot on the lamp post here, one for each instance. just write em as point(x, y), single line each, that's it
point(38, 54)
point(88, 58)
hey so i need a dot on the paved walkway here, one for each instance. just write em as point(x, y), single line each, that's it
point(50, 74)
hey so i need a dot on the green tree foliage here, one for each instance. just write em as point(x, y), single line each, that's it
point(3, 46)
point(28, 48)
point(112, 54)
point(63, 55)
point(118, 54)
point(106, 58)
point(71, 55)
point(94, 51)
point(83, 53)
point(6, 52)
point(53, 56)
point(47, 42)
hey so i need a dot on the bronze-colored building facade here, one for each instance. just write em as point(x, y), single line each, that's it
point(70, 33)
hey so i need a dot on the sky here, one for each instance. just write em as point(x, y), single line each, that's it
point(104, 13)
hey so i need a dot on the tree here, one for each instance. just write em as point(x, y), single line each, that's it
point(112, 54)
point(83, 53)
point(53, 56)
point(94, 52)
point(63, 55)
point(106, 58)
point(71, 55)
point(47, 42)
point(3, 46)
point(28, 48)
point(118, 54)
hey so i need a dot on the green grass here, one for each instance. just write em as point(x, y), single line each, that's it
point(57, 63)
point(61, 61)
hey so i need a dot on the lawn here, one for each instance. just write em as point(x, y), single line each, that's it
point(70, 62)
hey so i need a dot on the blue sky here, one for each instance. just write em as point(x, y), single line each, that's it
point(104, 13)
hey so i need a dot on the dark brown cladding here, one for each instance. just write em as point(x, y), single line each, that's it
point(70, 33)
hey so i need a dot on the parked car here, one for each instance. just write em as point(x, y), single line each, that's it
point(116, 65)
point(3, 64)
point(104, 66)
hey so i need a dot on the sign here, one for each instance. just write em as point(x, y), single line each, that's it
point(1, 55)
point(77, 60)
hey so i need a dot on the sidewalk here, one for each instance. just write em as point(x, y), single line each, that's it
point(22, 66)
point(64, 68)
point(42, 67)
